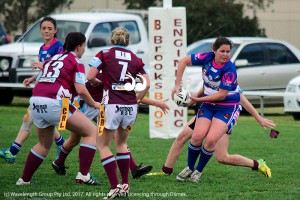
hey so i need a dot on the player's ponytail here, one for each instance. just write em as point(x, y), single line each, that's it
point(120, 36)
point(73, 40)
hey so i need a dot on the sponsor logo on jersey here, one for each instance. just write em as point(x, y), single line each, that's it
point(122, 55)
point(226, 116)
point(40, 108)
point(213, 69)
point(124, 110)
point(228, 78)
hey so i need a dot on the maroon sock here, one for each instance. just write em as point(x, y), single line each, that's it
point(34, 160)
point(167, 170)
point(123, 161)
point(132, 165)
point(255, 167)
point(86, 156)
point(110, 166)
point(60, 161)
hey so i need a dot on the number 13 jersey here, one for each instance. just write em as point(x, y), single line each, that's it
point(58, 77)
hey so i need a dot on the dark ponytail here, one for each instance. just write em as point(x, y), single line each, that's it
point(73, 40)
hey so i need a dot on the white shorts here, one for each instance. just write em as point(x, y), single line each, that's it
point(46, 111)
point(91, 112)
point(120, 115)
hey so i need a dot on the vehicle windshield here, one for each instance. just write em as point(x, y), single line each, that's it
point(63, 27)
point(205, 47)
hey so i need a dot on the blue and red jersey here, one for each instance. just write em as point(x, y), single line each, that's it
point(46, 52)
point(215, 77)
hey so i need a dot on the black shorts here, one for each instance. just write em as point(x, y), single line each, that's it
point(192, 125)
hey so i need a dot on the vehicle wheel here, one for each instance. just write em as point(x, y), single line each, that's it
point(296, 116)
point(6, 97)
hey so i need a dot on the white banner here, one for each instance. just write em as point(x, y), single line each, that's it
point(167, 38)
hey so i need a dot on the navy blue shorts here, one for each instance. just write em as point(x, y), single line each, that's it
point(228, 114)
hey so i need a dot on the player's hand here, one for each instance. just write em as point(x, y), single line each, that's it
point(97, 105)
point(37, 65)
point(266, 123)
point(195, 99)
point(96, 82)
point(175, 91)
point(162, 105)
point(27, 82)
point(192, 101)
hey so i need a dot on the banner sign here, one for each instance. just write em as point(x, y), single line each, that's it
point(167, 38)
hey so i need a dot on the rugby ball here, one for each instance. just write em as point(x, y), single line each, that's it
point(182, 98)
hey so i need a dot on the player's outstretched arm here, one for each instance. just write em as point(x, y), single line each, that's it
point(161, 104)
point(262, 121)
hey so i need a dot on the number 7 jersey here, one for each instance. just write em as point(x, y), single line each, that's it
point(58, 77)
point(118, 64)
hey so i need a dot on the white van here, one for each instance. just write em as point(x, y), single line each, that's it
point(16, 58)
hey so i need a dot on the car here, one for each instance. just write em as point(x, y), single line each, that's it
point(292, 98)
point(4, 37)
point(262, 64)
point(16, 58)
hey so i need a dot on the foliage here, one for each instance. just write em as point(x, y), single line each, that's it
point(18, 14)
point(212, 18)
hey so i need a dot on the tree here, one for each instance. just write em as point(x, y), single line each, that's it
point(212, 18)
point(18, 14)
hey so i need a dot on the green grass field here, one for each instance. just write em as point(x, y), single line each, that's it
point(218, 181)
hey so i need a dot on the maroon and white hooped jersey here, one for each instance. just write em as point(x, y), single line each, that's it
point(116, 64)
point(58, 77)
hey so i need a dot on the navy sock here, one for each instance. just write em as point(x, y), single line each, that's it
point(59, 141)
point(204, 158)
point(15, 148)
point(193, 153)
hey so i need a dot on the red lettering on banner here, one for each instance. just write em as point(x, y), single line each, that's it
point(178, 52)
point(156, 48)
point(175, 63)
point(158, 85)
point(177, 22)
point(178, 43)
point(158, 39)
point(158, 124)
point(178, 113)
point(178, 123)
point(158, 95)
point(158, 57)
point(157, 25)
point(177, 32)
point(157, 76)
point(158, 66)
point(158, 114)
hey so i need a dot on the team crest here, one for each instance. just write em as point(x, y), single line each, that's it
point(226, 116)
point(228, 78)
point(200, 112)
